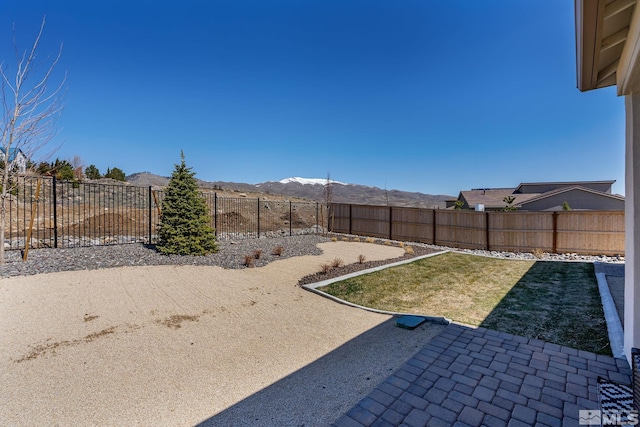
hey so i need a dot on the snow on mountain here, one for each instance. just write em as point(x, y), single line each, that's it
point(311, 181)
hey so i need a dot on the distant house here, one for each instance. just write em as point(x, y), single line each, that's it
point(16, 158)
point(545, 196)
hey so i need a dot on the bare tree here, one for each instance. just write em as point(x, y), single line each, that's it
point(328, 197)
point(30, 108)
point(78, 166)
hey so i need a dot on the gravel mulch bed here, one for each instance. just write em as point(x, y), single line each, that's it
point(230, 255)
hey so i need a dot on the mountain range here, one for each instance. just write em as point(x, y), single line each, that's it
point(312, 189)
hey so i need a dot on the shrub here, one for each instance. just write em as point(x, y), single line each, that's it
point(408, 250)
point(370, 240)
point(356, 239)
point(278, 250)
point(345, 239)
point(538, 253)
point(337, 263)
point(325, 268)
point(249, 260)
point(334, 239)
point(257, 254)
point(401, 244)
point(184, 223)
point(388, 243)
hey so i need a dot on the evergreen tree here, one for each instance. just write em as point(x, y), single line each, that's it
point(116, 174)
point(63, 170)
point(184, 224)
point(92, 172)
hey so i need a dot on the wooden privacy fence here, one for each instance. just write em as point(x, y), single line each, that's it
point(581, 232)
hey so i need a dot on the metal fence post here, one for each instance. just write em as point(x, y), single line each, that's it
point(258, 217)
point(215, 214)
point(55, 214)
point(150, 213)
point(290, 218)
point(316, 217)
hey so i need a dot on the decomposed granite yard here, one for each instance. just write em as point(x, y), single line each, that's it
point(181, 345)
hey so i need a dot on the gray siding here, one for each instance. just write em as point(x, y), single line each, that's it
point(578, 200)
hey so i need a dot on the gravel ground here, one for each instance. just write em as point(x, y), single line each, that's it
point(231, 255)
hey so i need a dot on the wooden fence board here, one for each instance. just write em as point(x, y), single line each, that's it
point(412, 224)
point(522, 232)
point(588, 232)
point(582, 232)
point(461, 229)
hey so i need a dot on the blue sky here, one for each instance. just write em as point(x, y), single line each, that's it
point(415, 95)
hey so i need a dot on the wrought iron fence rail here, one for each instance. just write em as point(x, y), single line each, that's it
point(71, 214)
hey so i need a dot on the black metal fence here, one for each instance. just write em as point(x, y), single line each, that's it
point(58, 213)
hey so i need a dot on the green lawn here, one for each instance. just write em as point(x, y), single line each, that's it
point(557, 302)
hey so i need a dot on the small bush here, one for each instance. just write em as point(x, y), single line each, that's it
point(408, 250)
point(538, 253)
point(370, 240)
point(325, 268)
point(345, 239)
point(334, 239)
point(361, 259)
point(356, 239)
point(387, 243)
point(278, 250)
point(257, 254)
point(337, 263)
point(401, 244)
point(249, 260)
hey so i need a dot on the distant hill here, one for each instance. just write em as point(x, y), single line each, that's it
point(312, 189)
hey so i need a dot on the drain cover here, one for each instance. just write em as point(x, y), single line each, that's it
point(410, 322)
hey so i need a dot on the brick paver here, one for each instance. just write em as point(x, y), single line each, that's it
point(468, 376)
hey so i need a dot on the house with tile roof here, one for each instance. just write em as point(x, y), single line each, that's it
point(16, 158)
point(544, 196)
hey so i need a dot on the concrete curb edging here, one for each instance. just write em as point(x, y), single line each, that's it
point(614, 326)
point(312, 287)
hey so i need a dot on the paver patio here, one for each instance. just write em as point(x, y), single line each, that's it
point(472, 377)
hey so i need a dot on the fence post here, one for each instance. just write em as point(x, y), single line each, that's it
point(150, 213)
point(290, 218)
point(258, 217)
point(215, 214)
point(317, 216)
point(434, 226)
point(350, 216)
point(55, 214)
point(555, 232)
point(486, 225)
point(390, 223)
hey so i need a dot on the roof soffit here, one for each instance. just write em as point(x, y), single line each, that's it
point(603, 28)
